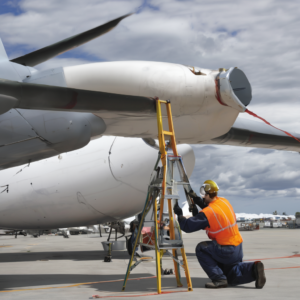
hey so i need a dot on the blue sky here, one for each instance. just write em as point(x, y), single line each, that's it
point(261, 38)
point(10, 7)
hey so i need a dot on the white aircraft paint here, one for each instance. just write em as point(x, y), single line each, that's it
point(83, 187)
point(197, 114)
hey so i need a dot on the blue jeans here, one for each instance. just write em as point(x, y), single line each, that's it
point(224, 262)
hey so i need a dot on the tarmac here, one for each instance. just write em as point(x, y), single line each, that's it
point(53, 267)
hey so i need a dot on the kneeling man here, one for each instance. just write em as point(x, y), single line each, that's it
point(222, 257)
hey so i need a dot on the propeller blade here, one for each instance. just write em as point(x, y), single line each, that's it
point(36, 57)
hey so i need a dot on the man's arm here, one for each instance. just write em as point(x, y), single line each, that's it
point(192, 224)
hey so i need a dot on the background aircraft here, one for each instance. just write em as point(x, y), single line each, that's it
point(198, 117)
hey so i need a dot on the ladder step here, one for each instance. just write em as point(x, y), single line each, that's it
point(167, 132)
point(182, 183)
point(146, 258)
point(173, 197)
point(164, 246)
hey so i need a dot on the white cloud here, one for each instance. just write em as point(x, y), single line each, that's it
point(255, 180)
point(260, 37)
point(61, 62)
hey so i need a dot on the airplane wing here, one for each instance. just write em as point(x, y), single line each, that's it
point(248, 133)
point(34, 58)
point(49, 120)
point(46, 97)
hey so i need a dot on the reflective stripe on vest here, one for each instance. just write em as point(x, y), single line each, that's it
point(227, 227)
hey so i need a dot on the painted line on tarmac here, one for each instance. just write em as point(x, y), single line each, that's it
point(296, 267)
point(291, 256)
point(73, 285)
point(140, 295)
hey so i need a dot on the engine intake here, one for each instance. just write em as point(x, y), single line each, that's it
point(233, 89)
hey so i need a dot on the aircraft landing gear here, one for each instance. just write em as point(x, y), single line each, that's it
point(108, 257)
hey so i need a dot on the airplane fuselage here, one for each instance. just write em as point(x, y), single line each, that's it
point(105, 181)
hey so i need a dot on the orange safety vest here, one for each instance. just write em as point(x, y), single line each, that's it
point(222, 222)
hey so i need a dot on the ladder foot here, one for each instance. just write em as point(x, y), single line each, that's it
point(107, 259)
point(167, 272)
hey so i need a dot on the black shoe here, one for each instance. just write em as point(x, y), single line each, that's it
point(217, 284)
point(259, 274)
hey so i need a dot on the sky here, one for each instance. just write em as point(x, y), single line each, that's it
point(260, 37)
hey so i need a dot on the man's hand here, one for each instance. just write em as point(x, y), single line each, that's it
point(200, 202)
point(177, 210)
point(192, 194)
point(194, 210)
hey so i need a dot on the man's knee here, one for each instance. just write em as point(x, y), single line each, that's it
point(201, 246)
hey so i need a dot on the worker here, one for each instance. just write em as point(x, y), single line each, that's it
point(221, 258)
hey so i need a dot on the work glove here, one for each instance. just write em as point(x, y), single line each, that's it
point(192, 194)
point(194, 210)
point(200, 202)
point(177, 210)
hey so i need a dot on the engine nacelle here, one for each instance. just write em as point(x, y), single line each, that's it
point(205, 103)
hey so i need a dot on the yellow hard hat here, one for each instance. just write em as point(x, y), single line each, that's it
point(209, 186)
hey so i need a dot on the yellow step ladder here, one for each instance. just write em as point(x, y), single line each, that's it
point(162, 188)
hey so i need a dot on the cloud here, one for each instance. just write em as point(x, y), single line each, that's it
point(247, 175)
point(61, 62)
point(260, 37)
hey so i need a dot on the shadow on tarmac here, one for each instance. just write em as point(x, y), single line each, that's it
point(99, 283)
point(10, 282)
point(61, 255)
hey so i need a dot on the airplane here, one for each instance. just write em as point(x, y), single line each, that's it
point(78, 144)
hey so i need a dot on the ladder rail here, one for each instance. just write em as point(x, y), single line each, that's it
point(148, 199)
point(154, 190)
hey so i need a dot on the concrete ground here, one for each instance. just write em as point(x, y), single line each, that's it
point(52, 267)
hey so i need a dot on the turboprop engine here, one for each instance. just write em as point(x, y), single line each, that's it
point(122, 93)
